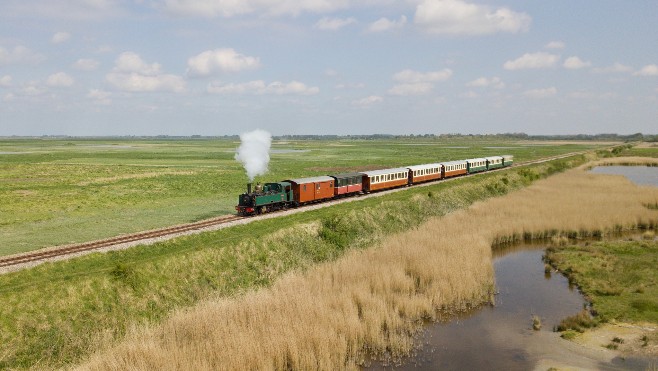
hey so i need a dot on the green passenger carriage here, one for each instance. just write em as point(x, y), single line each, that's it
point(475, 165)
point(494, 162)
point(508, 160)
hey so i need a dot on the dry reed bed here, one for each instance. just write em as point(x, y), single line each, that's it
point(624, 161)
point(374, 300)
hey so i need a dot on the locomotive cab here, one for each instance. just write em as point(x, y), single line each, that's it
point(264, 198)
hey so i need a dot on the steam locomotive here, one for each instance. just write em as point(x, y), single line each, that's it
point(296, 192)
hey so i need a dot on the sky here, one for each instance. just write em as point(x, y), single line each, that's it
point(223, 67)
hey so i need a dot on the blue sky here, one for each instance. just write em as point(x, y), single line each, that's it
point(215, 67)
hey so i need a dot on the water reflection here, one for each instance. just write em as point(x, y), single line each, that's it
point(643, 175)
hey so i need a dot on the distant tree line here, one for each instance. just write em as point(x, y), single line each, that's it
point(579, 137)
point(637, 137)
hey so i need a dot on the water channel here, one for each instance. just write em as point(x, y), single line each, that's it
point(501, 337)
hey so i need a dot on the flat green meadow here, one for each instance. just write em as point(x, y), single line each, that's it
point(56, 314)
point(56, 191)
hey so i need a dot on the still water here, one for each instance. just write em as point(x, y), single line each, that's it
point(643, 175)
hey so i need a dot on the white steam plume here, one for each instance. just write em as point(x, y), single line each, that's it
point(254, 152)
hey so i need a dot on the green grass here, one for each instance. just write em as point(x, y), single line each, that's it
point(58, 191)
point(618, 278)
point(56, 313)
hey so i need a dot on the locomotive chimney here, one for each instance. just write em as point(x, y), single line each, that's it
point(248, 188)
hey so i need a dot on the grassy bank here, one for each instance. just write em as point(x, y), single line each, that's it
point(372, 300)
point(59, 191)
point(619, 279)
point(57, 313)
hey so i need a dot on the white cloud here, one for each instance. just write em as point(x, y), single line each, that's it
point(417, 83)
point(615, 68)
point(67, 9)
point(60, 37)
point(86, 64)
point(411, 76)
point(541, 93)
point(532, 61)
point(418, 88)
point(384, 24)
point(555, 45)
point(100, 96)
point(225, 60)
point(469, 95)
point(588, 95)
point(131, 73)
point(230, 8)
point(134, 82)
point(367, 101)
point(354, 85)
point(19, 55)
point(33, 88)
point(648, 70)
point(574, 63)
point(129, 62)
point(5, 81)
point(103, 49)
point(260, 87)
point(333, 24)
point(457, 17)
point(59, 80)
point(483, 82)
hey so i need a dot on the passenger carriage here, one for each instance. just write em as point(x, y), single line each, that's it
point(454, 168)
point(508, 160)
point(494, 162)
point(312, 189)
point(384, 179)
point(475, 165)
point(349, 183)
point(424, 173)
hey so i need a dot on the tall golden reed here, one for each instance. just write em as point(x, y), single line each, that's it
point(374, 300)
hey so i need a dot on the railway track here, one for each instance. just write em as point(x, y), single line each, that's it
point(63, 251)
point(95, 245)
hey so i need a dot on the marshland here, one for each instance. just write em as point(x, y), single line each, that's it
point(334, 288)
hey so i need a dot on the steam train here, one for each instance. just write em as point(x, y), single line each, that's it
point(296, 192)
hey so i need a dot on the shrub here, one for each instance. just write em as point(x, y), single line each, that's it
point(578, 322)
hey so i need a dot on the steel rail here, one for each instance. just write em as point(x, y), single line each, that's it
point(94, 245)
point(53, 252)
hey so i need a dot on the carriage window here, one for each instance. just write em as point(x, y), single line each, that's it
point(304, 187)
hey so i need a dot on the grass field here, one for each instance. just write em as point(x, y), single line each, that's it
point(57, 313)
point(618, 278)
point(58, 191)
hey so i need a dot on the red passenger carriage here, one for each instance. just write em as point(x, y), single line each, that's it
point(385, 179)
